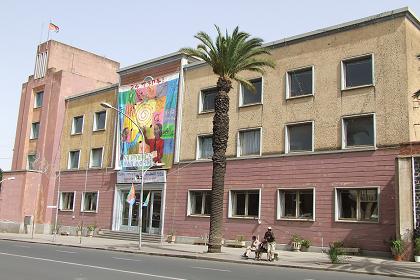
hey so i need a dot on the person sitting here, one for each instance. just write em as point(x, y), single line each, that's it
point(252, 248)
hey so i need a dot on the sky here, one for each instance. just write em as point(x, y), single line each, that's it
point(133, 31)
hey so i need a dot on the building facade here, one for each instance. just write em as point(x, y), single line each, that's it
point(60, 71)
point(313, 152)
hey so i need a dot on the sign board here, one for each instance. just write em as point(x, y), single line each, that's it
point(151, 176)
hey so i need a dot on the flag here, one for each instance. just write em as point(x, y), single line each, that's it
point(147, 200)
point(131, 197)
point(53, 27)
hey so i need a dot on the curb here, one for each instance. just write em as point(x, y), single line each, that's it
point(172, 255)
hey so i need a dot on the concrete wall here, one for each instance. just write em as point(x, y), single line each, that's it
point(387, 99)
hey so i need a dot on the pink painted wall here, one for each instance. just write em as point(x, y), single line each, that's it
point(324, 172)
point(97, 180)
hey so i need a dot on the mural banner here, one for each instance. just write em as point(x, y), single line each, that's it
point(152, 106)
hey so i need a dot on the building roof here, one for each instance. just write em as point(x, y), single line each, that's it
point(92, 92)
point(335, 29)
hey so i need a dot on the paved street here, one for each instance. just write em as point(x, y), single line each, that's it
point(21, 260)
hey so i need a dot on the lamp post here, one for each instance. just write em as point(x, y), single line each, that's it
point(109, 106)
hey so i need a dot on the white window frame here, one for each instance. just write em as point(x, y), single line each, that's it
point(198, 149)
point(73, 126)
point(312, 67)
point(102, 158)
point(238, 142)
point(32, 137)
point(241, 93)
point(343, 132)
point(83, 202)
point(94, 120)
point(27, 160)
point(36, 105)
point(343, 72)
point(279, 213)
point(60, 208)
point(231, 204)
point(69, 159)
point(337, 208)
point(189, 214)
point(201, 99)
point(287, 140)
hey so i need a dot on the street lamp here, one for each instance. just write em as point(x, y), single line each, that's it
point(109, 106)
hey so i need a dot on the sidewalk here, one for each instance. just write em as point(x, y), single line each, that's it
point(307, 260)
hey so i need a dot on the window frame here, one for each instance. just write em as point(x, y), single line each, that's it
point(60, 206)
point(231, 204)
point(36, 105)
point(201, 100)
point(238, 142)
point(198, 149)
point(288, 84)
point(343, 72)
point(73, 127)
point(95, 128)
point(69, 159)
point(344, 132)
point(287, 137)
point(337, 208)
point(32, 137)
point(27, 161)
point(241, 93)
point(90, 158)
point(189, 214)
point(297, 189)
point(82, 203)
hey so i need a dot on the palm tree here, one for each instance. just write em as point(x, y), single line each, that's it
point(228, 55)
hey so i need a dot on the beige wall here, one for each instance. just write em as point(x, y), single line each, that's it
point(387, 99)
point(87, 106)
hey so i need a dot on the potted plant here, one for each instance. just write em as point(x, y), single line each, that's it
point(417, 249)
point(79, 230)
point(240, 240)
point(335, 253)
point(296, 242)
point(91, 230)
point(305, 244)
point(171, 238)
point(397, 248)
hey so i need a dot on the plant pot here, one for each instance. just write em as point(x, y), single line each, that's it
point(296, 246)
point(171, 239)
point(79, 232)
point(417, 258)
point(398, 258)
point(90, 233)
point(304, 249)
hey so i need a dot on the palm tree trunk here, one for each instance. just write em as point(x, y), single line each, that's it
point(220, 139)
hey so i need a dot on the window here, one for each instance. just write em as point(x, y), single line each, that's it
point(358, 131)
point(244, 203)
point(249, 142)
point(248, 97)
point(205, 147)
point(207, 100)
point(67, 201)
point(357, 204)
point(77, 125)
point(90, 202)
point(199, 202)
point(74, 157)
point(39, 96)
point(96, 158)
point(35, 130)
point(299, 137)
point(31, 161)
point(357, 72)
point(296, 204)
point(300, 82)
point(99, 121)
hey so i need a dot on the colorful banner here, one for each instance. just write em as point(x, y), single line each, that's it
point(152, 106)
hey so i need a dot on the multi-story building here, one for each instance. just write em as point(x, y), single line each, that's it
point(60, 71)
point(313, 152)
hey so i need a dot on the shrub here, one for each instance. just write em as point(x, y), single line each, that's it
point(335, 253)
point(397, 246)
point(417, 246)
point(296, 238)
point(305, 243)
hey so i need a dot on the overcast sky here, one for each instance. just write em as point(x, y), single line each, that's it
point(133, 31)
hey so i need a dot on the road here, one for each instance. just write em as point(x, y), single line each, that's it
point(32, 261)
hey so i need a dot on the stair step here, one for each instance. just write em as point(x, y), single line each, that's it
point(131, 236)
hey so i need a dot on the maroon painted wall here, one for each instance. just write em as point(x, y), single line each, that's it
point(323, 172)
